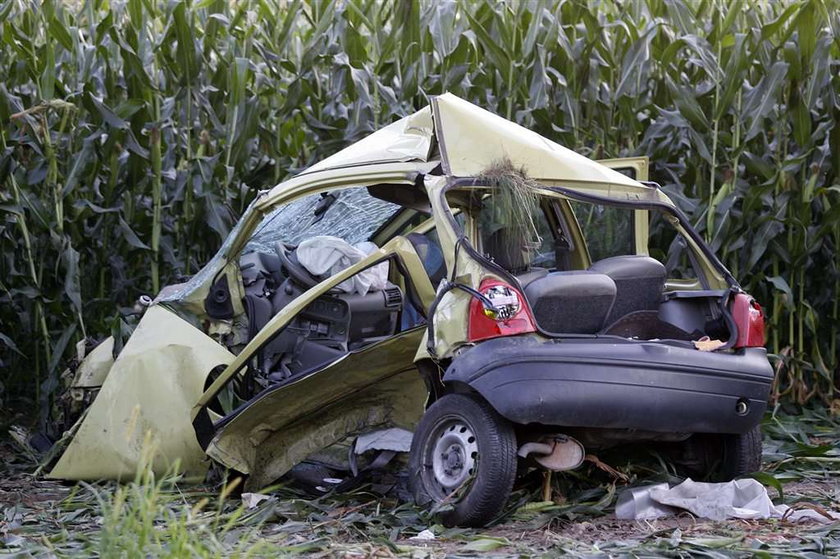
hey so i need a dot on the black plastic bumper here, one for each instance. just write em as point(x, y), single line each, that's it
point(607, 383)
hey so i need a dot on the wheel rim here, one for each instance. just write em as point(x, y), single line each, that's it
point(451, 457)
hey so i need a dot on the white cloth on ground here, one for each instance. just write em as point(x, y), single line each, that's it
point(741, 498)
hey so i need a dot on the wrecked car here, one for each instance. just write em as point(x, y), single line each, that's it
point(453, 275)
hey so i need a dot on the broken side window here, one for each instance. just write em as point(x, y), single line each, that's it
point(607, 230)
point(670, 248)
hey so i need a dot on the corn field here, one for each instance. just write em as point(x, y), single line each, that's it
point(134, 132)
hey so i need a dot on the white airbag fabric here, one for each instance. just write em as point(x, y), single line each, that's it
point(327, 255)
point(396, 439)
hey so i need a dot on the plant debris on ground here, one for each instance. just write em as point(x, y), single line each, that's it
point(161, 517)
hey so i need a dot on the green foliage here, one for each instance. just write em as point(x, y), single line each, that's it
point(133, 133)
point(160, 517)
point(149, 516)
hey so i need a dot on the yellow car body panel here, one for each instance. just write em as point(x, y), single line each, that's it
point(94, 368)
point(146, 401)
point(373, 388)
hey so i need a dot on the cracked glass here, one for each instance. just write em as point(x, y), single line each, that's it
point(351, 214)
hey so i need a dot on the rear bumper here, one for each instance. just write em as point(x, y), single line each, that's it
point(606, 383)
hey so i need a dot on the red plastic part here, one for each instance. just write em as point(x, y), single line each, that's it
point(482, 327)
point(749, 319)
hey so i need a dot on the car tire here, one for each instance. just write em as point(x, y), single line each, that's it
point(741, 454)
point(720, 457)
point(463, 454)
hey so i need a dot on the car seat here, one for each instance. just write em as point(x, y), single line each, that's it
point(576, 302)
point(506, 246)
point(430, 255)
point(639, 282)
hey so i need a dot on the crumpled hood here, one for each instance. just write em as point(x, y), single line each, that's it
point(469, 140)
point(142, 412)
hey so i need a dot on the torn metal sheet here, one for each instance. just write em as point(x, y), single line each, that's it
point(146, 400)
point(472, 139)
point(367, 389)
point(93, 369)
point(408, 139)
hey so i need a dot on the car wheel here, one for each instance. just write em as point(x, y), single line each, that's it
point(463, 454)
point(720, 457)
point(740, 454)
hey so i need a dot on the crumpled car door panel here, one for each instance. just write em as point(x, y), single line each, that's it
point(143, 409)
point(375, 387)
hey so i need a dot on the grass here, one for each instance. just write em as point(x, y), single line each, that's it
point(513, 202)
point(161, 517)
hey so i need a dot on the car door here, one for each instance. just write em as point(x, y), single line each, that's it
point(636, 168)
point(369, 386)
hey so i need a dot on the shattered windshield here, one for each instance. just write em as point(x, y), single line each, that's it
point(351, 214)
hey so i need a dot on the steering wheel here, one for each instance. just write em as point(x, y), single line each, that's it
point(296, 271)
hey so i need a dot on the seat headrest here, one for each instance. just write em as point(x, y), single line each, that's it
point(506, 246)
point(629, 267)
point(430, 255)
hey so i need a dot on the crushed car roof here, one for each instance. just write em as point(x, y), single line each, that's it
point(470, 139)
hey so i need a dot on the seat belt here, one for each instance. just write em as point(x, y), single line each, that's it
point(562, 248)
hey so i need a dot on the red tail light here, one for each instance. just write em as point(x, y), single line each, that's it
point(509, 316)
point(749, 319)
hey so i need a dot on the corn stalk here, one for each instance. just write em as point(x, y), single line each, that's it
point(176, 113)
